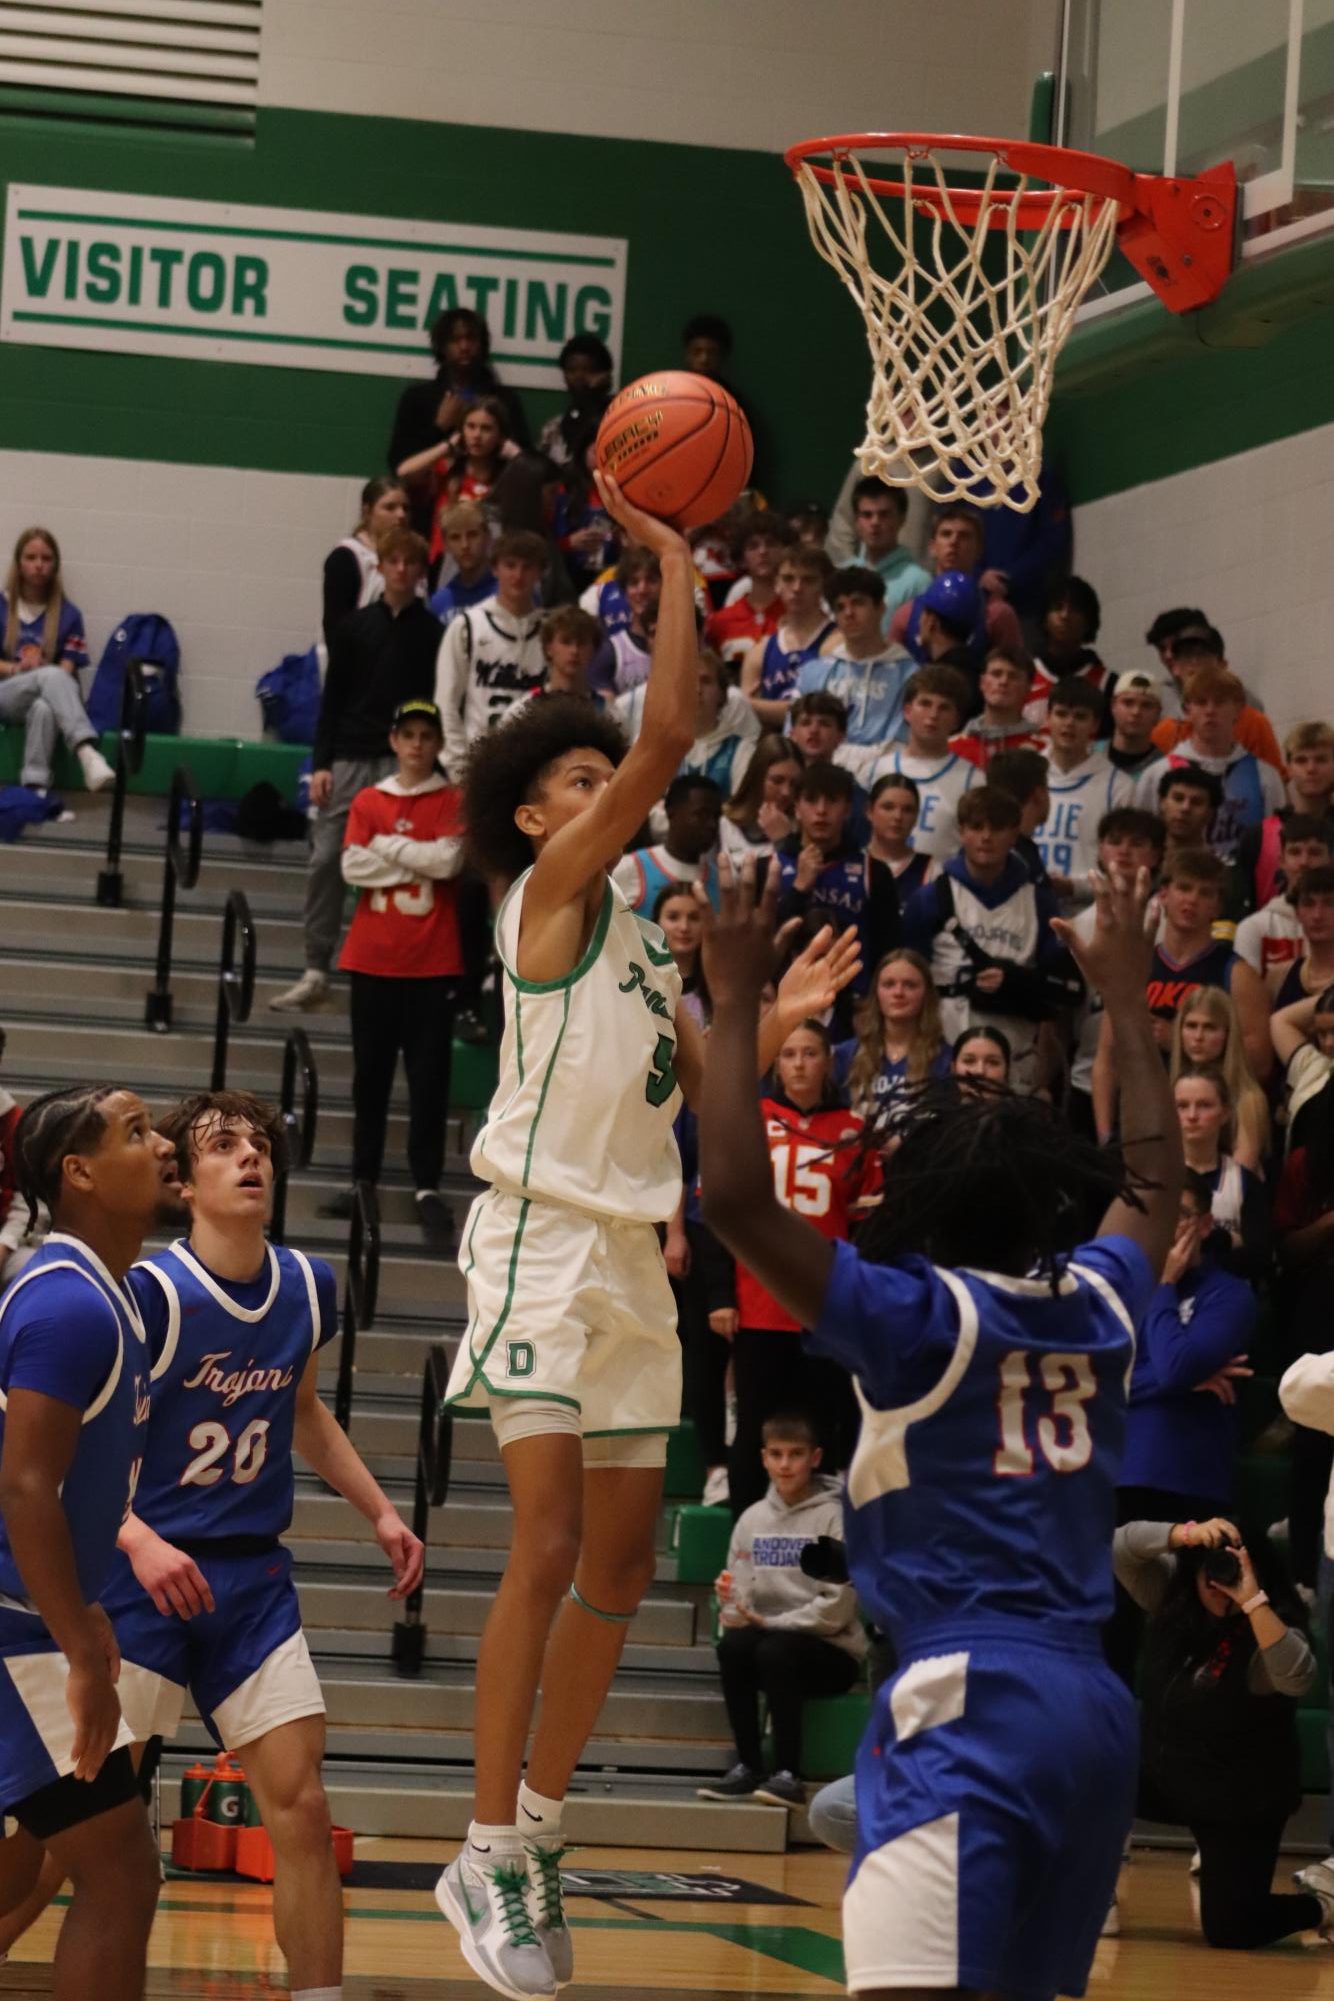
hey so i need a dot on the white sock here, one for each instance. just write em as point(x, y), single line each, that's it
point(539, 1816)
point(317, 1993)
point(487, 1843)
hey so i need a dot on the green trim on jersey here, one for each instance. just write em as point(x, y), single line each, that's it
point(655, 944)
point(546, 1081)
point(591, 951)
point(480, 1362)
point(635, 1431)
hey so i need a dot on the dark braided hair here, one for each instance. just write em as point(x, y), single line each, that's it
point(986, 1178)
point(60, 1123)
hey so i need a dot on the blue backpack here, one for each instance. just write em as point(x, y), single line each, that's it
point(147, 637)
point(289, 697)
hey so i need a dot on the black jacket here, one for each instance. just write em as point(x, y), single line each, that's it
point(376, 661)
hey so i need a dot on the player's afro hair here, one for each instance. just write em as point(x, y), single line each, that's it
point(506, 767)
point(990, 1180)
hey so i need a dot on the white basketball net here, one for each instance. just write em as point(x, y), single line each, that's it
point(964, 335)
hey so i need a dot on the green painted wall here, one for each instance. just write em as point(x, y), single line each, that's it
point(707, 230)
point(1147, 395)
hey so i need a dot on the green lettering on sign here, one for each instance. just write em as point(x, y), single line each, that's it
point(103, 281)
point(250, 286)
point(444, 297)
point(361, 303)
point(37, 277)
point(400, 298)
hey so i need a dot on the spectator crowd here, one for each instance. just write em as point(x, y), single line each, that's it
point(906, 724)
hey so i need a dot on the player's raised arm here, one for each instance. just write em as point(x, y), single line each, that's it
point(595, 840)
point(1114, 961)
point(736, 1177)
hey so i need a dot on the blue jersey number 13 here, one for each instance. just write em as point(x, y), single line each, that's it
point(1062, 1430)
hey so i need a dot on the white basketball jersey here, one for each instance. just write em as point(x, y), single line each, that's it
point(587, 1093)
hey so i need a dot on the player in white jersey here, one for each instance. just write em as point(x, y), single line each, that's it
point(571, 1338)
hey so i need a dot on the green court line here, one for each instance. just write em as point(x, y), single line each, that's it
point(792, 1945)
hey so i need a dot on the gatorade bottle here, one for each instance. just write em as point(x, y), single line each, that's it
point(193, 1783)
point(251, 1817)
point(227, 1798)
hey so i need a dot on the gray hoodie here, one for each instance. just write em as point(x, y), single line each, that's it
point(764, 1558)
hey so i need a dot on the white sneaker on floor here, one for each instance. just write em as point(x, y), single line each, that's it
point(1111, 1924)
point(97, 773)
point(715, 1488)
point(547, 1906)
point(1317, 1879)
point(310, 991)
point(488, 1908)
point(1195, 1863)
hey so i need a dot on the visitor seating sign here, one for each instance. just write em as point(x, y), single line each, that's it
point(295, 288)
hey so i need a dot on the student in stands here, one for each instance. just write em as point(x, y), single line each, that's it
point(1189, 799)
point(822, 873)
point(1082, 786)
point(1270, 939)
point(1309, 751)
point(855, 663)
point(1313, 901)
point(466, 465)
point(586, 363)
point(1303, 1036)
point(1252, 789)
point(383, 655)
point(429, 412)
point(638, 579)
point(760, 812)
point(935, 703)
point(726, 731)
point(1128, 840)
point(1206, 1035)
point(821, 1171)
point(1003, 722)
point(879, 512)
point(1238, 1202)
point(772, 668)
point(42, 648)
point(467, 538)
point(956, 545)
point(1071, 617)
point(352, 575)
point(893, 811)
point(896, 1039)
point(752, 614)
point(402, 849)
point(981, 1058)
point(693, 806)
point(985, 927)
point(1136, 707)
point(1190, 651)
point(491, 655)
point(785, 1636)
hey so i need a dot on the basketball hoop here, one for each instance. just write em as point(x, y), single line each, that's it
point(967, 322)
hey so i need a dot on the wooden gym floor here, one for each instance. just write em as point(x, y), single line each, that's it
point(213, 1941)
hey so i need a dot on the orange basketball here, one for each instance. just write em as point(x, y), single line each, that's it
point(678, 444)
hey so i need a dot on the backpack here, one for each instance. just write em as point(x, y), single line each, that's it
point(147, 637)
point(289, 697)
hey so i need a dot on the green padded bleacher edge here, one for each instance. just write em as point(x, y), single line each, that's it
point(685, 1467)
point(831, 1730)
point(221, 767)
point(472, 1076)
point(698, 1537)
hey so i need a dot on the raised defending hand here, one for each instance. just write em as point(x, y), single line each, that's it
point(646, 529)
point(817, 976)
point(738, 940)
point(1115, 959)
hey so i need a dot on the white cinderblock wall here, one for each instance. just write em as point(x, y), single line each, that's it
point(1248, 539)
point(232, 558)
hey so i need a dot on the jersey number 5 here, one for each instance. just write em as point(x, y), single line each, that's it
point(212, 1441)
point(661, 1079)
point(1062, 1430)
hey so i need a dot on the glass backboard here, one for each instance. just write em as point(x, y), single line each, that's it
point(1174, 86)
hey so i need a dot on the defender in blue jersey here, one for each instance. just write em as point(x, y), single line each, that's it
point(74, 1371)
point(202, 1597)
point(991, 1350)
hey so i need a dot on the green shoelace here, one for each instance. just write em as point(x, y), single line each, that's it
point(512, 1885)
point(548, 1861)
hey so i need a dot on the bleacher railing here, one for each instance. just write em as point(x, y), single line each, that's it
point(435, 1440)
point(299, 1122)
point(180, 871)
point(236, 981)
point(360, 1289)
point(131, 733)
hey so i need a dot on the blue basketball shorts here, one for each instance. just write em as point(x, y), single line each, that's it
point(36, 1728)
point(995, 1789)
point(246, 1663)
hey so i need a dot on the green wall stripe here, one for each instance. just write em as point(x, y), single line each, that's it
point(232, 333)
point(318, 236)
point(708, 230)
